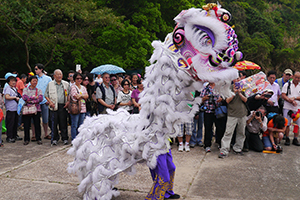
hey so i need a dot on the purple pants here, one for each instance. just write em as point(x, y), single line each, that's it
point(163, 178)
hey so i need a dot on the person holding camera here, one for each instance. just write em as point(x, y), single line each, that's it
point(276, 128)
point(255, 124)
point(257, 100)
point(237, 113)
point(211, 101)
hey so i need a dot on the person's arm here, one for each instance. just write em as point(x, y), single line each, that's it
point(104, 104)
point(229, 99)
point(272, 140)
point(51, 104)
point(250, 118)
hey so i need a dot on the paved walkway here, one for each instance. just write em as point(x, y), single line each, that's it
point(38, 172)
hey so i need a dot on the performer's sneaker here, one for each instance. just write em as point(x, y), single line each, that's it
point(180, 148)
point(174, 196)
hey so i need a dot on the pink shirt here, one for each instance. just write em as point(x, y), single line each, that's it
point(74, 91)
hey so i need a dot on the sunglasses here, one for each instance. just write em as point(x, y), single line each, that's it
point(78, 78)
point(126, 84)
point(113, 79)
point(86, 79)
point(36, 68)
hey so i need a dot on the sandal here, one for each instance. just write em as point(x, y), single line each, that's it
point(1, 145)
point(33, 139)
point(48, 137)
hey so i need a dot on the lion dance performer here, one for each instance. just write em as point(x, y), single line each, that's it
point(202, 47)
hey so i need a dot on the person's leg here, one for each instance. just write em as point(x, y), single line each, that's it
point(74, 123)
point(193, 140)
point(32, 130)
point(208, 123)
point(27, 123)
point(188, 133)
point(37, 125)
point(267, 143)
point(225, 142)
point(54, 120)
point(80, 121)
point(180, 137)
point(200, 129)
point(255, 142)
point(220, 129)
point(9, 125)
point(287, 130)
point(15, 126)
point(45, 118)
point(63, 124)
point(240, 134)
point(171, 168)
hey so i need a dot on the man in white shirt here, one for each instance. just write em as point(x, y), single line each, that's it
point(291, 96)
point(272, 105)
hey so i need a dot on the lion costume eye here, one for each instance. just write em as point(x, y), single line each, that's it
point(205, 35)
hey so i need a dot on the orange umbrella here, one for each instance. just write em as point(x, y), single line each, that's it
point(243, 65)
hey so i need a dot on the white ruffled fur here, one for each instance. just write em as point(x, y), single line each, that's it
point(109, 144)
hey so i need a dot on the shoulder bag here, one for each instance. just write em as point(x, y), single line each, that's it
point(30, 109)
point(74, 106)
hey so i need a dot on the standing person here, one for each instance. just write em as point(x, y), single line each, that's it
point(1, 107)
point(196, 138)
point(43, 81)
point(32, 96)
point(211, 101)
point(21, 83)
point(124, 96)
point(11, 103)
point(115, 83)
point(78, 93)
point(57, 95)
point(134, 79)
point(105, 95)
point(237, 113)
point(186, 128)
point(287, 75)
point(272, 105)
point(70, 77)
point(135, 96)
point(99, 79)
point(91, 90)
point(291, 97)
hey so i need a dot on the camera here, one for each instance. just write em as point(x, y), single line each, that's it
point(268, 95)
point(258, 114)
point(279, 149)
point(211, 99)
point(202, 108)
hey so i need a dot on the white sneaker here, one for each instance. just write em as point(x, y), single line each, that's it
point(187, 148)
point(180, 148)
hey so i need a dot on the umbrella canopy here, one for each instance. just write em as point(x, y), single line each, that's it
point(243, 65)
point(108, 68)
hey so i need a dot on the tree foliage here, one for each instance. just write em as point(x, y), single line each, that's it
point(61, 34)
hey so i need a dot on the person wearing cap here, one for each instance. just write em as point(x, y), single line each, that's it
point(257, 100)
point(272, 105)
point(8, 74)
point(43, 81)
point(11, 104)
point(287, 75)
point(291, 97)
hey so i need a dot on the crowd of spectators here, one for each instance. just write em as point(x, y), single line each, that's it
point(50, 98)
point(259, 122)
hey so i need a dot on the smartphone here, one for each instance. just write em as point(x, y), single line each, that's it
point(78, 67)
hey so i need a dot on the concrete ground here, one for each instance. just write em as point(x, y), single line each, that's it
point(38, 172)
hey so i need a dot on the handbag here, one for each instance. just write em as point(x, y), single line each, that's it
point(221, 111)
point(30, 109)
point(74, 106)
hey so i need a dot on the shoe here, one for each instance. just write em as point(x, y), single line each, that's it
point(10, 140)
point(187, 147)
point(33, 139)
point(66, 142)
point(21, 128)
point(26, 142)
point(207, 149)
point(54, 142)
point(222, 155)
point(48, 137)
point(240, 153)
point(296, 142)
point(174, 196)
point(245, 150)
point(284, 137)
point(287, 141)
point(192, 145)
point(200, 144)
point(39, 142)
point(18, 138)
point(1, 145)
point(180, 147)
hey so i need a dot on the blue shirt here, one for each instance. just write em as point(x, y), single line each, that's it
point(42, 85)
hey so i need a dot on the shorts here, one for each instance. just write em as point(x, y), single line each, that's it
point(267, 142)
point(188, 127)
point(285, 114)
point(45, 113)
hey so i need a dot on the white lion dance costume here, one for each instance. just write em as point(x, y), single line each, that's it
point(201, 48)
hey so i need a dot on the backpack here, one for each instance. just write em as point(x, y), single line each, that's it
point(100, 106)
point(288, 88)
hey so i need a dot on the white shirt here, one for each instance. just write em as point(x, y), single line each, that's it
point(276, 92)
point(124, 98)
point(295, 92)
